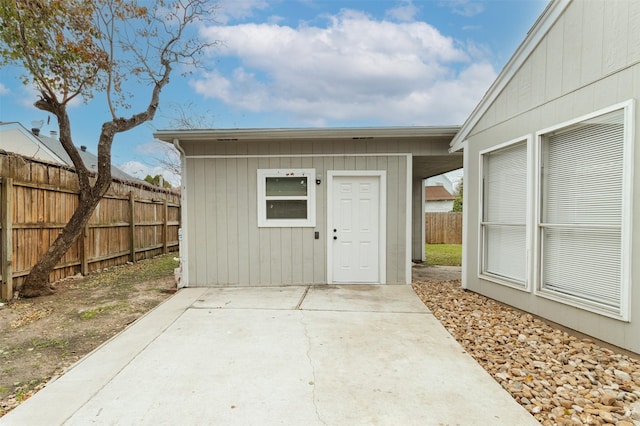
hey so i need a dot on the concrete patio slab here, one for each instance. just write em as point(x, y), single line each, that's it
point(194, 360)
point(363, 298)
point(251, 297)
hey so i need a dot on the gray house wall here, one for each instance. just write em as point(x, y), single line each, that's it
point(588, 60)
point(223, 245)
point(227, 248)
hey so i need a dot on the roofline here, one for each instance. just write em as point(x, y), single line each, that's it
point(540, 28)
point(305, 133)
point(29, 134)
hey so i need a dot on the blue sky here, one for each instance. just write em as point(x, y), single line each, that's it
point(319, 63)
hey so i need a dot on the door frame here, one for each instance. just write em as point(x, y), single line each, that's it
point(382, 231)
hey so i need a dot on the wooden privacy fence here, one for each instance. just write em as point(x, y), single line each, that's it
point(443, 228)
point(133, 221)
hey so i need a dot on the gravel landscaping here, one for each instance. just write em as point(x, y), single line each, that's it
point(560, 378)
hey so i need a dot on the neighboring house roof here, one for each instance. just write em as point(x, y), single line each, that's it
point(90, 160)
point(56, 152)
point(534, 36)
point(18, 139)
point(441, 180)
point(437, 193)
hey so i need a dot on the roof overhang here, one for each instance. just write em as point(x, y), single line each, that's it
point(423, 166)
point(540, 28)
point(353, 133)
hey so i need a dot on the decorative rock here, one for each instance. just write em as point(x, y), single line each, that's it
point(565, 403)
point(575, 419)
point(557, 377)
point(609, 397)
point(607, 416)
point(557, 412)
point(502, 376)
point(591, 378)
point(621, 375)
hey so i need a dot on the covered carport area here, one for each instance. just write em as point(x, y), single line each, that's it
point(426, 163)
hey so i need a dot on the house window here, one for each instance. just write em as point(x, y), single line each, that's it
point(503, 225)
point(584, 211)
point(286, 197)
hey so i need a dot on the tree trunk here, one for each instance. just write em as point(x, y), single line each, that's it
point(37, 282)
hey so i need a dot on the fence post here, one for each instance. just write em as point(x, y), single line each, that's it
point(165, 227)
point(7, 238)
point(132, 227)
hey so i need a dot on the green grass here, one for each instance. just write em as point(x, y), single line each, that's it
point(92, 313)
point(444, 254)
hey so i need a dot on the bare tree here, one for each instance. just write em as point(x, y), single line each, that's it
point(182, 116)
point(76, 48)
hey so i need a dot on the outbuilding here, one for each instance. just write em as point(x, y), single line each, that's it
point(551, 177)
point(272, 207)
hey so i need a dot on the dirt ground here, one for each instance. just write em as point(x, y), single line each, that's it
point(41, 337)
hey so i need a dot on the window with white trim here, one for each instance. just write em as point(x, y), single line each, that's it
point(286, 198)
point(503, 225)
point(584, 192)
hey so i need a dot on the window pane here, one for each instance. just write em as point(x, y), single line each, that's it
point(505, 203)
point(582, 184)
point(286, 186)
point(505, 252)
point(583, 263)
point(505, 185)
point(286, 209)
point(582, 174)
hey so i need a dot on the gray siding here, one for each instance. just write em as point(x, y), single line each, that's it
point(430, 146)
point(587, 61)
point(225, 245)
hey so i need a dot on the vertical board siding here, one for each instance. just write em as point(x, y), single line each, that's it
point(226, 246)
point(590, 41)
point(201, 239)
point(395, 219)
point(44, 197)
point(242, 192)
point(223, 224)
point(252, 207)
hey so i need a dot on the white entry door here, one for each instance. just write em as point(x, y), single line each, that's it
point(354, 229)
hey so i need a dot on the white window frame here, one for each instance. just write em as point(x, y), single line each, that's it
point(482, 224)
point(310, 221)
point(623, 311)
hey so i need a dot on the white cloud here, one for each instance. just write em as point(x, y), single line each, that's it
point(355, 69)
point(238, 9)
point(406, 12)
point(141, 170)
point(4, 90)
point(466, 8)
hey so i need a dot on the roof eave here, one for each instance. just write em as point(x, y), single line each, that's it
point(540, 28)
point(308, 133)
